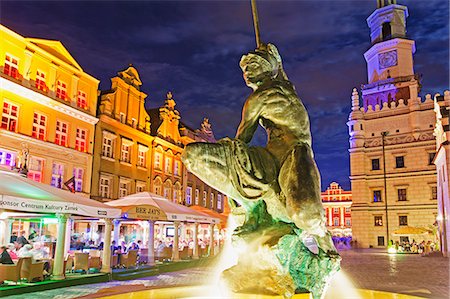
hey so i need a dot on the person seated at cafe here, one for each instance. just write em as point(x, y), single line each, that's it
point(25, 251)
point(123, 247)
point(5, 258)
point(114, 248)
point(39, 251)
point(12, 251)
point(13, 238)
point(33, 235)
point(21, 239)
point(133, 246)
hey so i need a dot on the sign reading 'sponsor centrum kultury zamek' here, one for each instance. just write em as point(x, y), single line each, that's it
point(42, 206)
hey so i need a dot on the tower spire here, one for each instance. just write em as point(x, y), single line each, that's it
point(383, 3)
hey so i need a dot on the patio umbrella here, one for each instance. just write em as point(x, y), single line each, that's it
point(151, 206)
point(409, 230)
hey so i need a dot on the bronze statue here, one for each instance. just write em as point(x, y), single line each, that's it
point(277, 187)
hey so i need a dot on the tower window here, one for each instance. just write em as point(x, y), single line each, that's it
point(386, 31)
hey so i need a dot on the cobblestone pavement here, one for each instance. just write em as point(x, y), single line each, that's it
point(409, 274)
point(366, 269)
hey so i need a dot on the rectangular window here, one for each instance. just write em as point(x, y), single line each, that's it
point(347, 210)
point(7, 158)
point(399, 162)
point(61, 133)
point(219, 202)
point(81, 140)
point(142, 158)
point(81, 100)
point(197, 196)
point(378, 220)
point(175, 195)
point(375, 164)
point(57, 175)
point(211, 201)
point(124, 187)
point(204, 199)
point(336, 221)
point(61, 90)
point(40, 81)
point(168, 165)
point(105, 187)
point(348, 222)
point(401, 194)
point(431, 158)
point(434, 192)
point(140, 187)
point(125, 153)
point(11, 67)
point(10, 116)
point(157, 161)
point(39, 126)
point(380, 240)
point(189, 195)
point(377, 196)
point(176, 170)
point(336, 210)
point(78, 176)
point(166, 192)
point(108, 147)
point(402, 220)
point(35, 169)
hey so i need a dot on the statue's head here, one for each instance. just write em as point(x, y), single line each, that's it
point(262, 64)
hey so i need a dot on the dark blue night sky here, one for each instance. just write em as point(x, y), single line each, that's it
point(193, 48)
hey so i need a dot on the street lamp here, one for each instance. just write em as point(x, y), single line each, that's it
point(383, 136)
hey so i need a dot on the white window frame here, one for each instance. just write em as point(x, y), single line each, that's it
point(81, 140)
point(142, 156)
point(37, 126)
point(78, 174)
point(108, 149)
point(189, 195)
point(157, 163)
point(197, 196)
point(82, 100)
point(124, 187)
point(204, 199)
point(34, 173)
point(167, 191)
point(125, 150)
point(211, 200)
point(105, 186)
point(12, 66)
point(7, 157)
point(176, 168)
point(57, 175)
point(168, 165)
point(61, 90)
point(140, 186)
point(336, 220)
point(335, 210)
point(60, 135)
point(219, 201)
point(157, 186)
point(11, 119)
point(40, 82)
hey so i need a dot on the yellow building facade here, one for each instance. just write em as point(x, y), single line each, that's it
point(48, 111)
point(122, 161)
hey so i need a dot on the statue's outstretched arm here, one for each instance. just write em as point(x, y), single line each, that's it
point(249, 120)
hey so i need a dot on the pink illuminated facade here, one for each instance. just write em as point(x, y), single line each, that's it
point(337, 202)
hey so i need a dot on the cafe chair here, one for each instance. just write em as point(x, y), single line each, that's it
point(11, 272)
point(30, 270)
point(81, 261)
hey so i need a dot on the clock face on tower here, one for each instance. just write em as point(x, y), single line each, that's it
point(387, 59)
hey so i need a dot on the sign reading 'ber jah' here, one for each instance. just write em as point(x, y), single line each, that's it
point(146, 212)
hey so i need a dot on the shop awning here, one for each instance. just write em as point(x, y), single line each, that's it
point(150, 206)
point(409, 230)
point(18, 193)
point(223, 218)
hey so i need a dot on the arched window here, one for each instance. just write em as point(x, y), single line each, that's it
point(177, 193)
point(168, 190)
point(386, 31)
point(157, 186)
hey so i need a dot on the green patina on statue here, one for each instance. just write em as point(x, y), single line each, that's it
point(281, 220)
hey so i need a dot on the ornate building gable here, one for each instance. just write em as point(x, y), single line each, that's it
point(205, 132)
point(124, 101)
point(165, 120)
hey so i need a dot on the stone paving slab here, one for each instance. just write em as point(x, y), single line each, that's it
point(426, 277)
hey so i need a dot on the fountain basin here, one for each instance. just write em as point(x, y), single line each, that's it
point(207, 292)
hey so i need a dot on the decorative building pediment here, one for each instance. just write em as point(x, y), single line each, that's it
point(205, 132)
point(131, 76)
point(170, 118)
